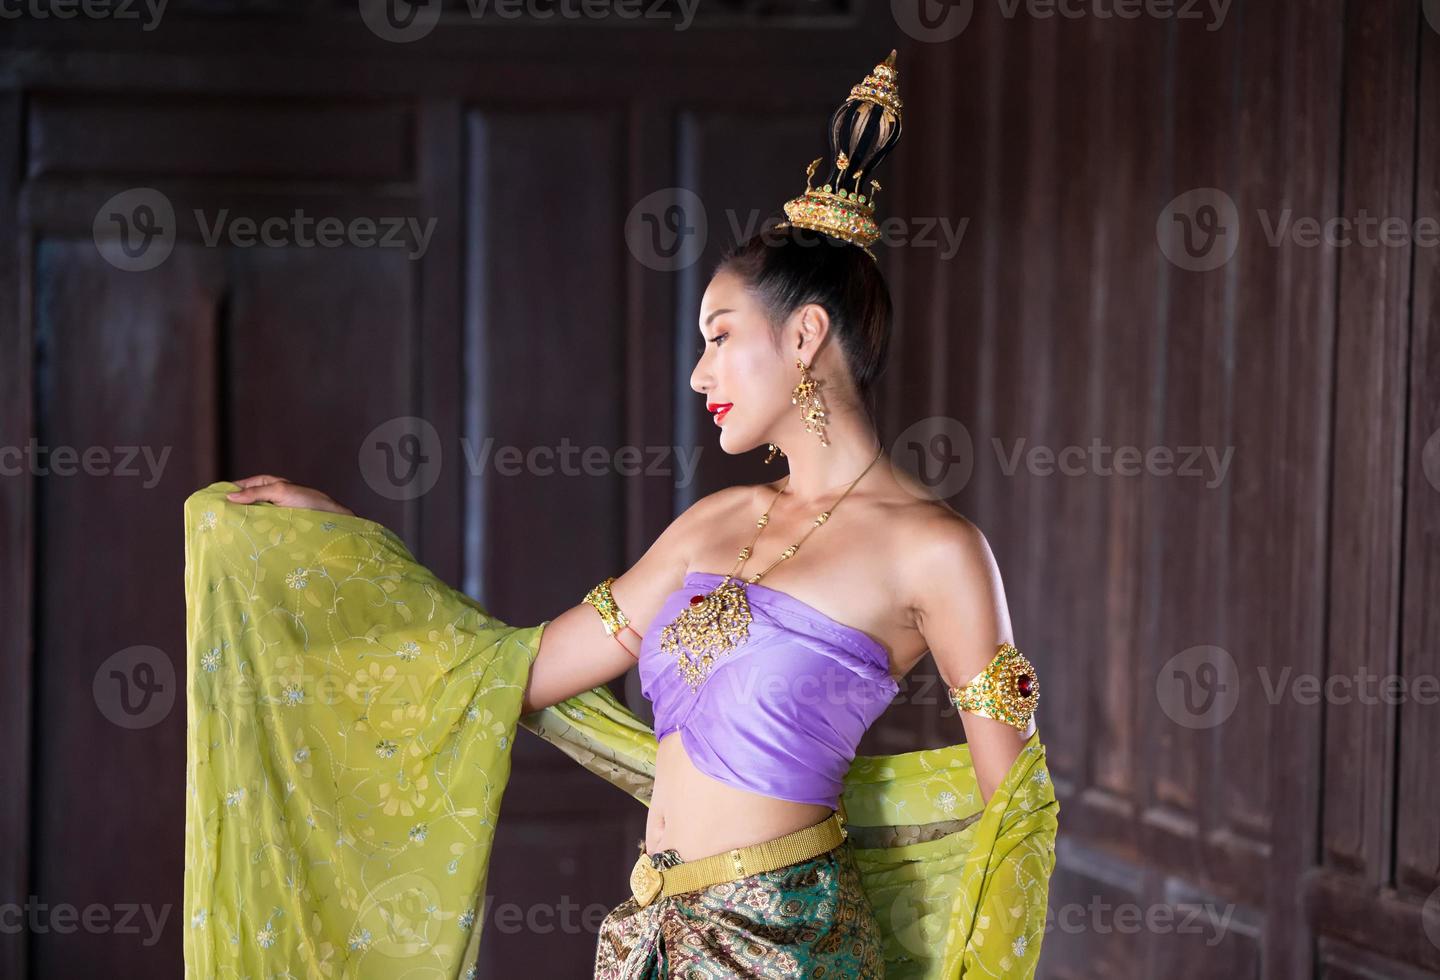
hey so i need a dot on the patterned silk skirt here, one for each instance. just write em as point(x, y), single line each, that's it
point(808, 919)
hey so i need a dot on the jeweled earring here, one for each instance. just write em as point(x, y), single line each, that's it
point(773, 450)
point(812, 409)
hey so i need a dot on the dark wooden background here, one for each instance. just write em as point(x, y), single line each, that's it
point(1311, 829)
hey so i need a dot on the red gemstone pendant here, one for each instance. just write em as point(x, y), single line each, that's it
point(1022, 684)
point(695, 600)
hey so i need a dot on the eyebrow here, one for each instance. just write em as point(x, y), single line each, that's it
point(714, 315)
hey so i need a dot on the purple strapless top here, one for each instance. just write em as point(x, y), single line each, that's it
point(782, 713)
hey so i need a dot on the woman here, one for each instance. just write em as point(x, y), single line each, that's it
point(766, 661)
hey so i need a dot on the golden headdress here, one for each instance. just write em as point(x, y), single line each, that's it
point(862, 131)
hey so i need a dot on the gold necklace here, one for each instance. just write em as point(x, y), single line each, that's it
point(716, 623)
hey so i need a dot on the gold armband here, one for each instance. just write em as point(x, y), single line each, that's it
point(607, 607)
point(1006, 690)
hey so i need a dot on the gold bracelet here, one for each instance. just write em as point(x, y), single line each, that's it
point(1007, 690)
point(607, 607)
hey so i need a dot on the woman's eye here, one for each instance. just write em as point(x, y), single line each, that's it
point(700, 347)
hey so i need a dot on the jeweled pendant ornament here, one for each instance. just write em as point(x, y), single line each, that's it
point(718, 621)
point(711, 626)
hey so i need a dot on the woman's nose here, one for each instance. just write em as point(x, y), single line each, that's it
point(699, 380)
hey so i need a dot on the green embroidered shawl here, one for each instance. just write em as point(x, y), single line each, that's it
point(349, 725)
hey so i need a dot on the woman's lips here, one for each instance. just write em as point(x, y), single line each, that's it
point(721, 412)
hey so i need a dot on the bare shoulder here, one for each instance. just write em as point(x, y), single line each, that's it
point(720, 502)
point(709, 511)
point(947, 557)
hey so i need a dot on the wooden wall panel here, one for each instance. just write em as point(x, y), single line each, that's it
point(1184, 519)
point(545, 354)
point(17, 528)
point(321, 341)
point(1417, 797)
point(218, 137)
point(1123, 311)
point(1305, 156)
point(109, 697)
point(1369, 443)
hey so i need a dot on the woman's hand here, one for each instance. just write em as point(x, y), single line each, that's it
point(282, 492)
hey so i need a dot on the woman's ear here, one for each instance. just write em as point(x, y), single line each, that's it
point(813, 327)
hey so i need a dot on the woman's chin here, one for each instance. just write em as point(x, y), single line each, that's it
point(734, 443)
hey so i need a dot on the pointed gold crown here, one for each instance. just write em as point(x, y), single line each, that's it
point(862, 131)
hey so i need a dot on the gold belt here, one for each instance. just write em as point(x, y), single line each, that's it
point(648, 882)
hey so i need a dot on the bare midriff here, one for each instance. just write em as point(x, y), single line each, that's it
point(698, 815)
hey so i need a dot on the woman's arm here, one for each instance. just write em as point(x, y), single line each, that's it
point(576, 653)
point(964, 619)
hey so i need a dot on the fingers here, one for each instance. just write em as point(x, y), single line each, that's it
point(261, 487)
point(259, 481)
point(252, 494)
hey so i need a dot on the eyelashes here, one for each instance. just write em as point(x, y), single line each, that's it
point(700, 347)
